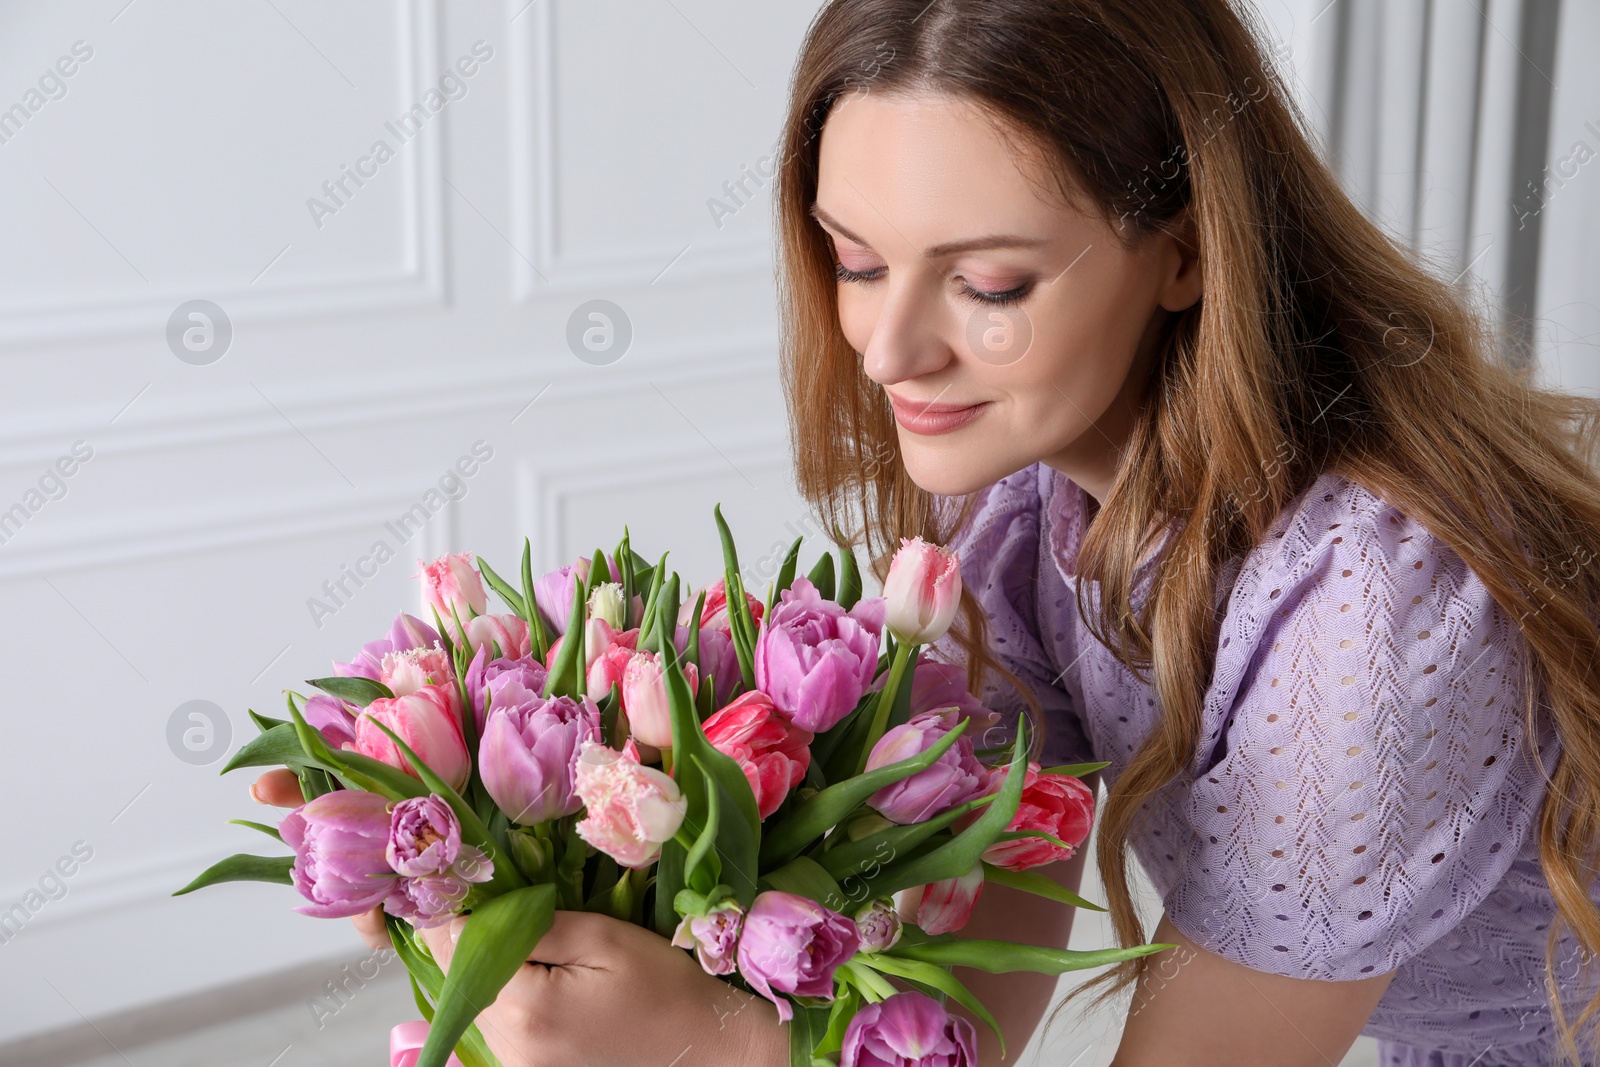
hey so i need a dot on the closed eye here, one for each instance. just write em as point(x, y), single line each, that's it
point(977, 296)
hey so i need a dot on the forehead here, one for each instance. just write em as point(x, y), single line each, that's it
point(930, 162)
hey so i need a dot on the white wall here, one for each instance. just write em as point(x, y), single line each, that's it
point(368, 354)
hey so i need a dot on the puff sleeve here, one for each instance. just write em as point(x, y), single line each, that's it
point(1371, 782)
point(999, 552)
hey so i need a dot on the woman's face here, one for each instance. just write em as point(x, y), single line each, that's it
point(1006, 327)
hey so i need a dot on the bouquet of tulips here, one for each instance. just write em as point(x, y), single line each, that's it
point(785, 788)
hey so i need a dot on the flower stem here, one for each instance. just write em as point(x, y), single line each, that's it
point(903, 654)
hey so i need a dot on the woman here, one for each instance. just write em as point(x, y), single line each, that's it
point(1245, 505)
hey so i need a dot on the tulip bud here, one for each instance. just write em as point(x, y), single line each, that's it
point(450, 583)
point(714, 937)
point(644, 698)
point(880, 926)
point(606, 603)
point(922, 591)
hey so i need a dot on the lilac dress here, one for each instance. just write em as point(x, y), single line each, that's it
point(1364, 798)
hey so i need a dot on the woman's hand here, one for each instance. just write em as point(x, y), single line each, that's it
point(598, 991)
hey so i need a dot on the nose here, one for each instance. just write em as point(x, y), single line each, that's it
point(906, 341)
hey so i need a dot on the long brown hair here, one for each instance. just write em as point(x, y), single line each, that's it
point(1319, 345)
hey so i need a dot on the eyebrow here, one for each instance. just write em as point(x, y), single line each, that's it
point(970, 244)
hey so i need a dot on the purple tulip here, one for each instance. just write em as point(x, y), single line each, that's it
point(340, 840)
point(424, 836)
point(529, 673)
point(530, 748)
point(936, 685)
point(714, 937)
point(436, 867)
point(407, 632)
point(814, 659)
point(718, 661)
point(954, 778)
point(335, 718)
point(879, 925)
point(554, 590)
point(908, 1030)
point(791, 944)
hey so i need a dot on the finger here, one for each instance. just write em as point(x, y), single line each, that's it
point(441, 940)
point(278, 787)
point(372, 928)
point(581, 938)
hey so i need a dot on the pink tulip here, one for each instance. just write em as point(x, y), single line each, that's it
point(506, 631)
point(953, 779)
point(791, 944)
point(772, 754)
point(714, 615)
point(1056, 804)
point(814, 658)
point(630, 809)
point(644, 698)
point(922, 591)
point(606, 667)
point(408, 670)
point(908, 1029)
point(944, 906)
point(450, 583)
point(428, 722)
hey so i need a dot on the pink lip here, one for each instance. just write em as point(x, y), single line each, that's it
point(931, 419)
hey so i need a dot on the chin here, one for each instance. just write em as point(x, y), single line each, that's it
point(954, 469)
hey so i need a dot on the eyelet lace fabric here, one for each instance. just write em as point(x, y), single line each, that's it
point(1365, 798)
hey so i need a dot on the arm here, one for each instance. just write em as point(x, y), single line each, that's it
point(1019, 1000)
point(1193, 1007)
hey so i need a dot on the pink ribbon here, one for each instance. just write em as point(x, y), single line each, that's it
point(405, 1045)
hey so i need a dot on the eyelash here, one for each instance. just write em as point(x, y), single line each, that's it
point(977, 296)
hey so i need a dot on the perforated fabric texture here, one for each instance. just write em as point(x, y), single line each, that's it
point(1364, 798)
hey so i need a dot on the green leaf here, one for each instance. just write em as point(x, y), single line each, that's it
point(821, 576)
point(961, 853)
point(1037, 884)
point(279, 746)
point(1003, 957)
point(703, 851)
point(270, 831)
point(845, 1005)
point(853, 858)
point(786, 569)
point(806, 1031)
point(541, 636)
point(738, 834)
point(935, 978)
point(811, 819)
point(849, 577)
point(503, 588)
point(419, 963)
point(567, 673)
point(352, 768)
point(495, 942)
point(739, 619)
point(804, 876)
point(265, 722)
point(356, 690)
point(1076, 770)
point(243, 868)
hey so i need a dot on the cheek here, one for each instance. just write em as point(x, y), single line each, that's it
point(858, 314)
